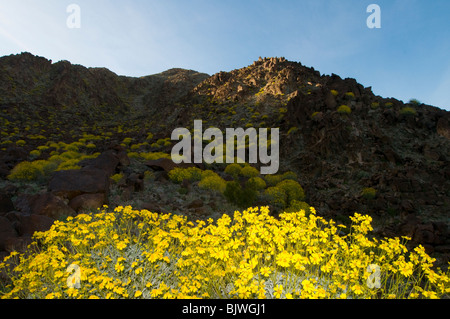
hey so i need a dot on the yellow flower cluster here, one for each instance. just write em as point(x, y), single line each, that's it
point(138, 254)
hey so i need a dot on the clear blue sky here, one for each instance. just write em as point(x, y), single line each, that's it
point(409, 57)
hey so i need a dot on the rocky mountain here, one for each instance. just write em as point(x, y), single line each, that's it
point(352, 151)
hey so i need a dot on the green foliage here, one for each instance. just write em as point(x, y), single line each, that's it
point(256, 183)
point(273, 180)
point(344, 109)
point(233, 170)
point(242, 197)
point(35, 153)
point(350, 95)
point(292, 130)
point(375, 105)
point(249, 171)
point(178, 175)
point(407, 111)
point(276, 195)
point(26, 171)
point(297, 206)
point(21, 143)
point(127, 140)
point(369, 193)
point(293, 190)
point(213, 182)
point(116, 178)
point(415, 102)
point(334, 92)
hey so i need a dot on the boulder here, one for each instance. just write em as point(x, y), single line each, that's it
point(51, 206)
point(7, 231)
point(29, 224)
point(107, 161)
point(88, 202)
point(19, 244)
point(6, 204)
point(443, 127)
point(72, 183)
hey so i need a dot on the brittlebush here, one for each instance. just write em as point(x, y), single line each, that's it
point(138, 254)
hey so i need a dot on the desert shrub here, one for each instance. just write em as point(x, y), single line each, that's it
point(292, 130)
point(277, 196)
point(149, 136)
point(71, 155)
point(125, 253)
point(249, 171)
point(35, 153)
point(127, 140)
point(242, 197)
point(415, 102)
point(71, 148)
point(375, 105)
point(233, 170)
point(25, 171)
point(178, 175)
point(273, 180)
point(213, 182)
point(116, 178)
point(350, 95)
point(344, 109)
point(256, 183)
point(91, 146)
point(334, 92)
point(369, 193)
point(290, 175)
point(298, 206)
point(69, 165)
point(293, 190)
point(408, 111)
point(21, 143)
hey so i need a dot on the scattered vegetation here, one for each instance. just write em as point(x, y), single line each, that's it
point(138, 254)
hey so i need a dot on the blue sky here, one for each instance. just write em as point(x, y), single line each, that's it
point(407, 58)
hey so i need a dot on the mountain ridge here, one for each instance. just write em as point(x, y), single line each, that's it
point(337, 135)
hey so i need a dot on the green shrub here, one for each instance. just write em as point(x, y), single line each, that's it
point(213, 182)
point(375, 105)
point(369, 193)
point(35, 154)
point(256, 183)
point(249, 171)
point(297, 206)
point(276, 195)
point(344, 109)
point(350, 95)
point(290, 175)
point(242, 197)
point(407, 111)
point(21, 143)
point(26, 171)
point(293, 190)
point(273, 180)
point(116, 178)
point(233, 170)
point(178, 175)
point(415, 102)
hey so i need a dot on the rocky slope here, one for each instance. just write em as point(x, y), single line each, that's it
point(376, 155)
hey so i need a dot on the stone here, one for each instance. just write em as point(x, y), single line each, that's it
point(152, 207)
point(197, 203)
point(51, 206)
point(18, 244)
point(29, 224)
point(136, 181)
point(107, 161)
point(88, 202)
point(6, 204)
point(72, 183)
point(443, 127)
point(7, 231)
